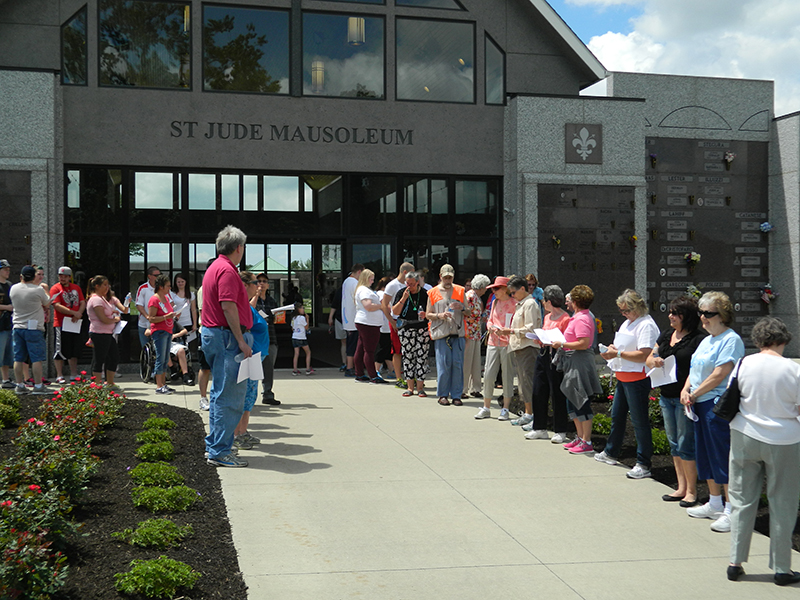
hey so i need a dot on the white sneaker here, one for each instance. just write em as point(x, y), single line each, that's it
point(527, 427)
point(559, 438)
point(204, 404)
point(704, 512)
point(605, 458)
point(537, 434)
point(484, 413)
point(523, 420)
point(723, 524)
point(504, 415)
point(20, 389)
point(639, 471)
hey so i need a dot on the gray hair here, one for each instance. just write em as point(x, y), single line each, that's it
point(554, 295)
point(415, 275)
point(480, 281)
point(720, 302)
point(770, 331)
point(229, 239)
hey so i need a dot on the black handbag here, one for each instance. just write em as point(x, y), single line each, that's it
point(727, 405)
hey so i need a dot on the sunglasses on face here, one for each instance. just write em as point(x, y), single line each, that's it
point(675, 313)
point(708, 314)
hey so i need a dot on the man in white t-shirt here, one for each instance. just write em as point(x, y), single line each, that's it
point(349, 316)
point(28, 300)
point(394, 286)
point(143, 295)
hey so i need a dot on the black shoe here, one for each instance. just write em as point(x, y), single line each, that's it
point(350, 373)
point(671, 498)
point(362, 379)
point(187, 379)
point(787, 578)
point(735, 572)
point(271, 401)
point(687, 504)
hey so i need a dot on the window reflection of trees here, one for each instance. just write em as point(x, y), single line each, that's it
point(73, 50)
point(236, 54)
point(144, 44)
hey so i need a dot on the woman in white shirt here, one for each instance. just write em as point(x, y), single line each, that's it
point(636, 338)
point(369, 318)
point(765, 443)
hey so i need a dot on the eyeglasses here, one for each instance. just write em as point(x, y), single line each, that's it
point(252, 282)
point(625, 311)
point(262, 281)
point(707, 313)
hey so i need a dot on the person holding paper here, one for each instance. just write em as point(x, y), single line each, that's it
point(679, 340)
point(497, 355)
point(711, 366)
point(546, 378)
point(68, 305)
point(185, 303)
point(523, 349)
point(260, 330)
point(103, 318)
point(161, 315)
point(445, 313)
point(580, 374)
point(412, 328)
point(30, 302)
point(473, 316)
point(632, 345)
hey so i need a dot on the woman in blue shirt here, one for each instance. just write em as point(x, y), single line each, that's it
point(711, 367)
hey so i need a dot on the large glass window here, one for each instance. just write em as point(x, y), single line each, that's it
point(343, 56)
point(327, 196)
point(451, 4)
point(245, 49)
point(203, 191)
point(426, 202)
point(73, 49)
point(373, 205)
point(435, 60)
point(145, 44)
point(495, 73)
point(476, 208)
point(281, 194)
point(154, 190)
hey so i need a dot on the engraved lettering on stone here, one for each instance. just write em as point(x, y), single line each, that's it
point(675, 236)
point(678, 225)
point(751, 237)
point(677, 272)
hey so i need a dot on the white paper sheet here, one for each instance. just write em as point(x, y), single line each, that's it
point(191, 337)
point(664, 375)
point(119, 327)
point(689, 412)
point(250, 368)
point(71, 326)
point(547, 336)
point(286, 308)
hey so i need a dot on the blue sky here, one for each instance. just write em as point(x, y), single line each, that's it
point(589, 21)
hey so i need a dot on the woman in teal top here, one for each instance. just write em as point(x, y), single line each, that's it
point(711, 367)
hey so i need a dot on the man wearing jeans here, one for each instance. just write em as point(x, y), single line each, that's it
point(445, 314)
point(29, 300)
point(226, 340)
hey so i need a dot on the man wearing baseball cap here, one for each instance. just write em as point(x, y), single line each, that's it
point(68, 304)
point(6, 347)
point(28, 300)
point(445, 314)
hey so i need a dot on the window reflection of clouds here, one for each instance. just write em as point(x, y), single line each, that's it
point(230, 192)
point(202, 191)
point(279, 253)
point(158, 254)
point(202, 252)
point(451, 4)
point(434, 61)
point(74, 189)
point(153, 190)
point(495, 76)
point(349, 70)
point(281, 194)
point(251, 192)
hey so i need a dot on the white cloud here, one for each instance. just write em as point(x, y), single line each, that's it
point(753, 39)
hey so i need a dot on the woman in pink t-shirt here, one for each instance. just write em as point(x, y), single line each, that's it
point(580, 374)
point(160, 315)
point(103, 318)
point(497, 354)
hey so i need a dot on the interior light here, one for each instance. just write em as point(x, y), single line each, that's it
point(356, 35)
point(317, 75)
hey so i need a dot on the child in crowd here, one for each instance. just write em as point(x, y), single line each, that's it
point(300, 338)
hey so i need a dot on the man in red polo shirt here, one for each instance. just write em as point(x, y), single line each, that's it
point(226, 340)
point(68, 303)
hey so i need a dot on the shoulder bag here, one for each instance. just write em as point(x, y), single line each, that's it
point(727, 405)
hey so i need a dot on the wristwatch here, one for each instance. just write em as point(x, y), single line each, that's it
point(619, 353)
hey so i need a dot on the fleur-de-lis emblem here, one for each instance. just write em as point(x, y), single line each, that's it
point(584, 142)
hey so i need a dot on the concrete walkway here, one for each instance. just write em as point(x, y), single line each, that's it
point(357, 492)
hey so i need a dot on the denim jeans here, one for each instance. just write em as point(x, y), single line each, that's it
point(633, 396)
point(162, 340)
point(678, 427)
point(227, 396)
point(6, 349)
point(449, 367)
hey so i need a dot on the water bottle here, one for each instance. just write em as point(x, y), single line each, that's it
point(127, 302)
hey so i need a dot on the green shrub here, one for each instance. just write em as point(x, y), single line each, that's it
point(62, 469)
point(29, 508)
point(155, 533)
point(156, 452)
point(8, 415)
point(157, 578)
point(156, 422)
point(9, 398)
point(660, 442)
point(159, 499)
point(654, 408)
point(156, 473)
point(601, 424)
point(153, 436)
point(29, 568)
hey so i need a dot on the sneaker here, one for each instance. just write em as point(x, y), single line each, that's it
point(572, 444)
point(527, 427)
point(164, 390)
point(271, 401)
point(582, 448)
point(169, 389)
point(343, 368)
point(228, 460)
point(40, 390)
point(8, 385)
point(204, 404)
point(605, 458)
point(311, 372)
point(723, 524)
point(187, 379)
point(349, 372)
point(241, 443)
point(250, 438)
point(523, 420)
point(484, 413)
point(20, 389)
point(559, 438)
point(378, 380)
point(639, 471)
point(29, 382)
point(537, 434)
point(362, 379)
point(295, 372)
point(504, 415)
point(704, 512)
point(61, 380)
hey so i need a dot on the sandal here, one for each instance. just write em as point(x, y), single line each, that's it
point(422, 394)
point(444, 401)
point(407, 393)
point(457, 402)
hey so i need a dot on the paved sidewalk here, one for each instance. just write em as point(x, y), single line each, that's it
point(357, 492)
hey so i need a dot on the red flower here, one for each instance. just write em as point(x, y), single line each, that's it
point(34, 488)
point(83, 372)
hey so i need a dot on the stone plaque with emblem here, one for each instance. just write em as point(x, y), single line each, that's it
point(583, 144)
